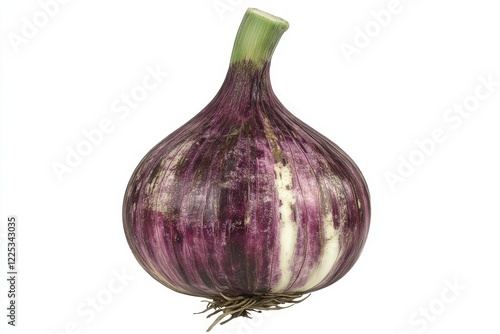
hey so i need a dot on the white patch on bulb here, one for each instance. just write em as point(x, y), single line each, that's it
point(166, 175)
point(247, 217)
point(288, 227)
point(329, 255)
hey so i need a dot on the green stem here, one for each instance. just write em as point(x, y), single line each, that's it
point(257, 37)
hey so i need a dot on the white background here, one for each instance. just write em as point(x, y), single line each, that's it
point(435, 228)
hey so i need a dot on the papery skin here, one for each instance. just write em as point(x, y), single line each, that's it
point(246, 199)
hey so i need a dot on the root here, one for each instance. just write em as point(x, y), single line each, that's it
point(241, 306)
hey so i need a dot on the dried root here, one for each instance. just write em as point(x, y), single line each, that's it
point(241, 306)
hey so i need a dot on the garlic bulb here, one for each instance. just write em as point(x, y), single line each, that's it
point(245, 204)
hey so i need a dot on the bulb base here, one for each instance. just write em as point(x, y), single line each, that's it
point(241, 306)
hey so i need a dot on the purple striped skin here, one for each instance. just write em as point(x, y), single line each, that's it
point(202, 211)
